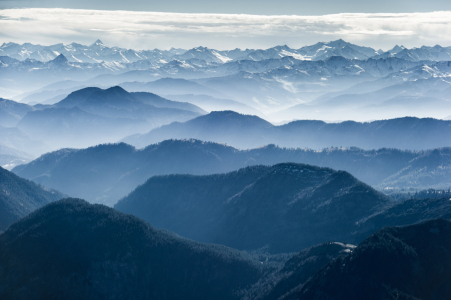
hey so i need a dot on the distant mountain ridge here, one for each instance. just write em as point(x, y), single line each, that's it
point(98, 52)
point(11, 112)
point(269, 80)
point(92, 115)
point(244, 131)
point(13, 137)
point(109, 172)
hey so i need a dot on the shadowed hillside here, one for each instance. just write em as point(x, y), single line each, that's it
point(73, 250)
point(19, 197)
point(412, 262)
point(285, 207)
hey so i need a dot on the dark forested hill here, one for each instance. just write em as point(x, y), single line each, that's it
point(412, 262)
point(19, 197)
point(296, 271)
point(246, 132)
point(106, 173)
point(73, 250)
point(407, 212)
point(285, 207)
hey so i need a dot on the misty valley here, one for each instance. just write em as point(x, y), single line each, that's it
point(322, 172)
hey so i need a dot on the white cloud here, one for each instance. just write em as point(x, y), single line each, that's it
point(153, 29)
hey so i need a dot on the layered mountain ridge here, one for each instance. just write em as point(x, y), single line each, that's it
point(269, 80)
point(245, 131)
point(283, 208)
point(108, 172)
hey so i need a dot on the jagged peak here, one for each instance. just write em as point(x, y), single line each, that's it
point(59, 59)
point(98, 43)
point(8, 44)
point(200, 48)
point(338, 42)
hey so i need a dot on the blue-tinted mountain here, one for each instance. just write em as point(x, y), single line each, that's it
point(74, 127)
point(92, 115)
point(411, 262)
point(19, 197)
point(284, 208)
point(109, 172)
point(74, 250)
point(9, 157)
point(117, 102)
point(173, 86)
point(297, 271)
point(13, 137)
point(318, 51)
point(210, 104)
point(161, 102)
point(11, 112)
point(245, 132)
point(289, 76)
point(98, 52)
point(419, 171)
point(407, 212)
point(435, 53)
point(224, 127)
point(205, 54)
point(269, 80)
point(94, 53)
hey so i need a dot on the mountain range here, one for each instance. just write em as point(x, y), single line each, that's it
point(74, 250)
point(395, 263)
point(106, 173)
point(282, 208)
point(320, 172)
point(245, 131)
point(92, 251)
point(92, 115)
point(99, 52)
point(111, 253)
point(271, 80)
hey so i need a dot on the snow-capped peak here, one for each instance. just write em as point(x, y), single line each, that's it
point(98, 43)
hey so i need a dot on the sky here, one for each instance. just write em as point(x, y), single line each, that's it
point(226, 24)
point(255, 7)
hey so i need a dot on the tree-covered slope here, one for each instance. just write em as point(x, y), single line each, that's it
point(285, 207)
point(407, 212)
point(106, 173)
point(412, 262)
point(296, 271)
point(19, 197)
point(74, 250)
